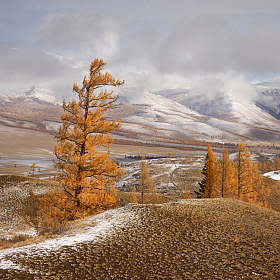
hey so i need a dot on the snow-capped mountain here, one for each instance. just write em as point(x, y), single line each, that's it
point(269, 98)
point(177, 113)
point(185, 114)
point(41, 94)
point(36, 94)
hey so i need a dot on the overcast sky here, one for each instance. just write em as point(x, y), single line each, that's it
point(151, 44)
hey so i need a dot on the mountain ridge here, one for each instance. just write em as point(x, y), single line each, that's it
point(175, 113)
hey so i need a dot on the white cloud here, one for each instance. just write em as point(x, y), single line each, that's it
point(212, 45)
point(231, 83)
point(80, 33)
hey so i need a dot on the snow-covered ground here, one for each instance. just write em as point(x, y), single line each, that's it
point(50, 125)
point(273, 175)
point(93, 229)
point(168, 173)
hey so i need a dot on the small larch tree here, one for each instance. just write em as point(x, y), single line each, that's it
point(86, 172)
point(250, 186)
point(147, 187)
point(134, 195)
point(244, 172)
point(277, 162)
point(145, 182)
point(210, 185)
point(228, 181)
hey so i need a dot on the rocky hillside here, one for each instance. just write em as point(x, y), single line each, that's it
point(184, 239)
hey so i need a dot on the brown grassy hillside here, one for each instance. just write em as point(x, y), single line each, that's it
point(186, 239)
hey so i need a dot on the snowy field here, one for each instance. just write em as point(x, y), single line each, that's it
point(170, 175)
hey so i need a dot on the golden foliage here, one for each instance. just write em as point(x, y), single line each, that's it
point(244, 172)
point(187, 194)
point(211, 170)
point(241, 179)
point(134, 195)
point(250, 185)
point(148, 190)
point(228, 180)
point(87, 175)
point(268, 165)
point(50, 211)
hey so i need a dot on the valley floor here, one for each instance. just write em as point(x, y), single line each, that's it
point(20, 148)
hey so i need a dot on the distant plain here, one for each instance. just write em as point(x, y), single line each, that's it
point(20, 148)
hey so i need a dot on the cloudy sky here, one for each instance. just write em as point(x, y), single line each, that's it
point(151, 44)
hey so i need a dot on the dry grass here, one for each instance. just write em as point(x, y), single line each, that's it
point(16, 239)
point(14, 198)
point(20, 148)
point(193, 239)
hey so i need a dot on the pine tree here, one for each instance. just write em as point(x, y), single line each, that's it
point(209, 186)
point(86, 173)
point(228, 179)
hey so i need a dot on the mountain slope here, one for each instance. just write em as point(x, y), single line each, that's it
point(184, 115)
point(269, 98)
point(36, 94)
point(228, 114)
point(162, 116)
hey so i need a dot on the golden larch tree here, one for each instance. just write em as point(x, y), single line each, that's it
point(228, 180)
point(169, 155)
point(277, 162)
point(147, 187)
point(134, 195)
point(145, 183)
point(187, 194)
point(250, 185)
point(210, 185)
point(260, 189)
point(86, 172)
point(244, 173)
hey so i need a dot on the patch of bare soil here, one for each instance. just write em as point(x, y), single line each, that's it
point(184, 239)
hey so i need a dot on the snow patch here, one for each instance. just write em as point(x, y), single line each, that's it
point(7, 264)
point(273, 175)
point(93, 229)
